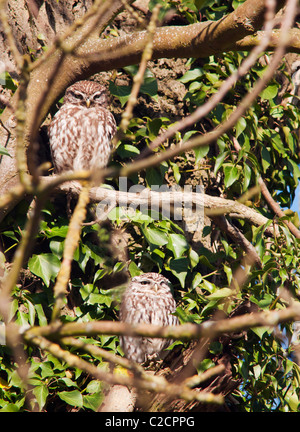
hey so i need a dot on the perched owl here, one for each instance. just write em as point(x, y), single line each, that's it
point(81, 131)
point(147, 299)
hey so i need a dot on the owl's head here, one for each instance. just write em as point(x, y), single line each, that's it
point(86, 94)
point(153, 283)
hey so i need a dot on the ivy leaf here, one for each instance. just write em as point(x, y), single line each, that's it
point(232, 174)
point(93, 401)
point(194, 257)
point(212, 77)
point(266, 158)
point(247, 176)
point(191, 75)
point(201, 152)
point(46, 266)
point(100, 299)
point(293, 400)
point(179, 269)
point(240, 126)
point(155, 236)
point(121, 92)
point(176, 171)
point(260, 331)
point(220, 294)
point(177, 244)
point(41, 393)
point(154, 126)
point(219, 161)
point(150, 87)
point(9, 407)
point(269, 92)
point(57, 231)
point(31, 312)
point(93, 386)
point(127, 150)
point(134, 270)
point(278, 144)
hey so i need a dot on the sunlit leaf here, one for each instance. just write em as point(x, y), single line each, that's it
point(232, 174)
point(45, 265)
point(73, 398)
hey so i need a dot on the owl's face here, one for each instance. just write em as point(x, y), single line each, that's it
point(150, 283)
point(86, 94)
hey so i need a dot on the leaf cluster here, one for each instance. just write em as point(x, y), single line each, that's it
point(203, 276)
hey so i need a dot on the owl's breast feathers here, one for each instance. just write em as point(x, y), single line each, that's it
point(80, 137)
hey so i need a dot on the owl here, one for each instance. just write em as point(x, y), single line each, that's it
point(147, 299)
point(81, 131)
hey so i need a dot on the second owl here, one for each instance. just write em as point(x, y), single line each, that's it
point(148, 299)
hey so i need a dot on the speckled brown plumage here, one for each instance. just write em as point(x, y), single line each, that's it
point(81, 131)
point(147, 299)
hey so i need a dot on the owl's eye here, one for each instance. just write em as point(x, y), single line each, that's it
point(77, 95)
point(144, 282)
point(97, 96)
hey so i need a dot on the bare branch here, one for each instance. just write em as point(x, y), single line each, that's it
point(181, 332)
point(203, 110)
point(139, 77)
point(71, 243)
point(153, 384)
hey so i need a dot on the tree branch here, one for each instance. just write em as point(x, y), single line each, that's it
point(153, 384)
point(71, 243)
point(212, 205)
point(183, 332)
point(249, 42)
point(196, 40)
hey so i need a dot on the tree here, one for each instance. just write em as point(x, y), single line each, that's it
point(226, 124)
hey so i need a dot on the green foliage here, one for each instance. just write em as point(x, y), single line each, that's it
point(267, 133)
point(202, 277)
point(55, 384)
point(148, 87)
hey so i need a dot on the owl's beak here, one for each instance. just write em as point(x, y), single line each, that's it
point(88, 103)
point(155, 287)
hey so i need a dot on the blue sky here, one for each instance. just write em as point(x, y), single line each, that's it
point(295, 206)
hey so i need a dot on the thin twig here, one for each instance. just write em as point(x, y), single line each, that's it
point(95, 11)
point(157, 385)
point(268, 197)
point(71, 243)
point(20, 256)
point(205, 109)
point(21, 117)
point(244, 105)
point(139, 77)
point(238, 238)
point(196, 380)
point(96, 351)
